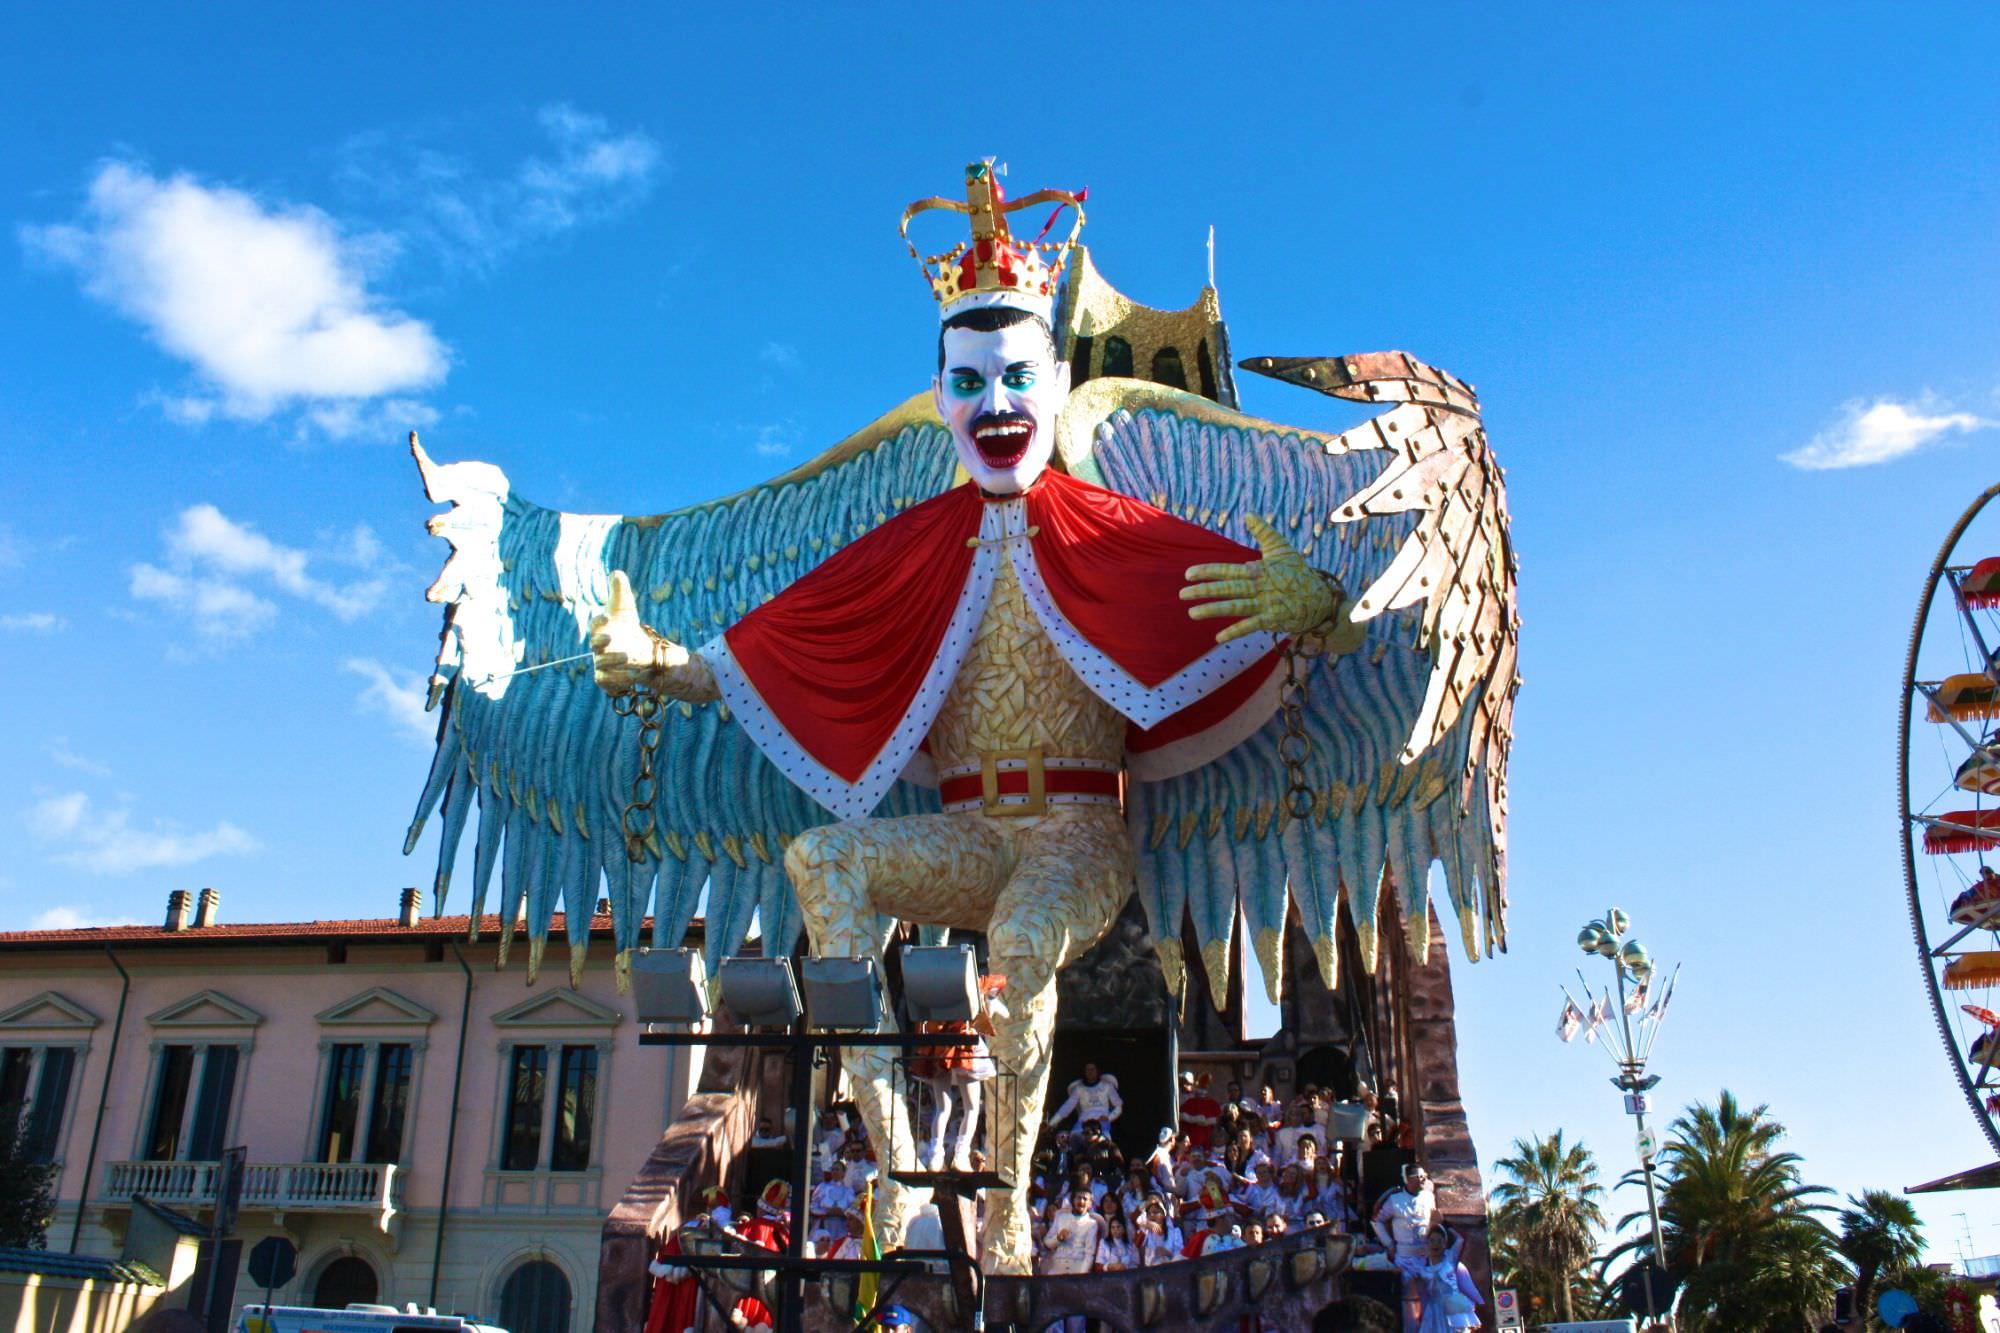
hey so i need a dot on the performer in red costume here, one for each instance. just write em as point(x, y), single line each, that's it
point(676, 1306)
point(1199, 1111)
point(769, 1229)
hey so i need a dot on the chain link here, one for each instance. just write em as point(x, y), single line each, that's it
point(638, 819)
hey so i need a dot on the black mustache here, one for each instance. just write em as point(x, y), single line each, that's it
point(1002, 419)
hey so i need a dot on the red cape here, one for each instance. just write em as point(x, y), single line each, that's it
point(838, 678)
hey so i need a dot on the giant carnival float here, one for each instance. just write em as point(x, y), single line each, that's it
point(989, 746)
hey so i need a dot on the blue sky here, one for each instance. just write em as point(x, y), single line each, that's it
point(639, 259)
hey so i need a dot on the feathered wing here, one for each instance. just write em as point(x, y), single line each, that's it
point(540, 752)
point(1409, 733)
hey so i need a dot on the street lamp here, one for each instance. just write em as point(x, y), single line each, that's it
point(1629, 1041)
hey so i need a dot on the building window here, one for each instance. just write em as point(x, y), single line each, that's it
point(523, 1145)
point(163, 1140)
point(212, 1094)
point(51, 1098)
point(535, 1299)
point(346, 1281)
point(35, 1099)
point(575, 1110)
point(211, 1108)
point(392, 1102)
point(342, 1113)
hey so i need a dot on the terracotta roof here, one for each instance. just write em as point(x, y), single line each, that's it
point(362, 930)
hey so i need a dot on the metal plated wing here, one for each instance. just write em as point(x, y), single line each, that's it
point(1410, 732)
point(528, 738)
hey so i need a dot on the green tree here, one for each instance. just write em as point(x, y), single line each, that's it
point(1742, 1229)
point(27, 1185)
point(1546, 1211)
point(1881, 1236)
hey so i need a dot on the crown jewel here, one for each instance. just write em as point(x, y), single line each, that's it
point(994, 268)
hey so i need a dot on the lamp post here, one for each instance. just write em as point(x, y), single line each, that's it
point(1609, 937)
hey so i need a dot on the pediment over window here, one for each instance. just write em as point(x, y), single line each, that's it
point(206, 1009)
point(378, 1006)
point(45, 1011)
point(557, 1009)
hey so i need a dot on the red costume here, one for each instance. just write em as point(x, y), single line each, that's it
point(676, 1306)
point(839, 677)
point(1199, 1114)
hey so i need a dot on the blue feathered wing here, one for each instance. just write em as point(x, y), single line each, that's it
point(1409, 734)
point(528, 739)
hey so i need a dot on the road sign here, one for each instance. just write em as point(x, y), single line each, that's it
point(1507, 1309)
point(273, 1261)
point(1649, 1145)
point(1637, 1103)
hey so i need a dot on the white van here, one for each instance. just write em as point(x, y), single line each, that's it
point(353, 1319)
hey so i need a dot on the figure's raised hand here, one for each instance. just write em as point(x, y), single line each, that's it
point(1280, 593)
point(626, 653)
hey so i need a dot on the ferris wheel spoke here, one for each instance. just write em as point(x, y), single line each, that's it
point(1989, 919)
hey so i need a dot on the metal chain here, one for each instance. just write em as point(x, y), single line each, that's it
point(638, 820)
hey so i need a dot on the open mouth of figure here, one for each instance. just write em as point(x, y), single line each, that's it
point(1003, 442)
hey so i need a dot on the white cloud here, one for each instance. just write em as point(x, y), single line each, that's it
point(71, 918)
point(269, 305)
point(104, 841)
point(474, 218)
point(782, 355)
point(33, 622)
point(774, 440)
point(398, 696)
point(13, 552)
point(65, 757)
point(1880, 431)
point(211, 557)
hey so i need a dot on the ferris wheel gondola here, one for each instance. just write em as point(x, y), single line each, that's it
point(1948, 791)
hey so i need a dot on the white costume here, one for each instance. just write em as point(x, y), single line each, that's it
point(1072, 1242)
point(1092, 1101)
point(1403, 1219)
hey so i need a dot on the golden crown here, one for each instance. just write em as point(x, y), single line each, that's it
point(994, 268)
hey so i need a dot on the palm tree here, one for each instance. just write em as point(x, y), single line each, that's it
point(1881, 1236)
point(1741, 1228)
point(1548, 1214)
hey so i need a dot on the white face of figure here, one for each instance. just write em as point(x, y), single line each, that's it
point(999, 393)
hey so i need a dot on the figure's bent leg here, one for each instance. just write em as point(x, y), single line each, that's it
point(851, 879)
point(1070, 884)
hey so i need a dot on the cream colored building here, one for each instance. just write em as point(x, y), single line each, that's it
point(425, 1125)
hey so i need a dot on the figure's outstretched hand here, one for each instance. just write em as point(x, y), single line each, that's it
point(626, 653)
point(1280, 593)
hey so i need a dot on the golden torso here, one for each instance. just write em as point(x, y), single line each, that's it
point(1014, 691)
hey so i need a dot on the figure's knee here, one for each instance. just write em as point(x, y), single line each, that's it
point(813, 853)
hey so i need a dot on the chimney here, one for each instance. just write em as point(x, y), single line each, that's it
point(177, 910)
point(206, 907)
point(412, 909)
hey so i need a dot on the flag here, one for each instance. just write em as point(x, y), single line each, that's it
point(1593, 1018)
point(865, 1284)
point(1636, 1001)
point(1659, 1009)
point(1571, 1021)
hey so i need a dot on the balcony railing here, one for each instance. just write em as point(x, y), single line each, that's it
point(306, 1187)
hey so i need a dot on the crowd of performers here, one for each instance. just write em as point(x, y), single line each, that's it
point(1239, 1171)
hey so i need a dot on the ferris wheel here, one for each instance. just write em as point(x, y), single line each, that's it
point(1948, 787)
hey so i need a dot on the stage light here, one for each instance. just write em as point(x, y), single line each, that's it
point(761, 992)
point(941, 984)
point(842, 993)
point(669, 986)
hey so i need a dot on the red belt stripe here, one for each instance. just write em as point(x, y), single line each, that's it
point(1014, 782)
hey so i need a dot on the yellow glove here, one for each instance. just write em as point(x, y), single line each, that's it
point(1280, 593)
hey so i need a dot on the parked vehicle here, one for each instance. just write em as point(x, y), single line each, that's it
point(354, 1319)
